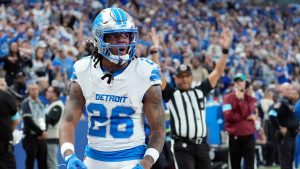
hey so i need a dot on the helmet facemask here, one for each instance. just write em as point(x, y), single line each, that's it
point(109, 22)
point(106, 49)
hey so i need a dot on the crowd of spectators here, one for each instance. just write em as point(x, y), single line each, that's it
point(41, 40)
point(44, 39)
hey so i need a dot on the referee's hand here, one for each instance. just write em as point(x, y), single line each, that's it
point(226, 38)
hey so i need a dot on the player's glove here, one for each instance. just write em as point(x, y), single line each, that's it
point(138, 166)
point(73, 162)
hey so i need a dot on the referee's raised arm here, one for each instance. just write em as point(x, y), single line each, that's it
point(225, 40)
point(154, 51)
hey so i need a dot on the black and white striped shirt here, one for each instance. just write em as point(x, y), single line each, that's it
point(187, 109)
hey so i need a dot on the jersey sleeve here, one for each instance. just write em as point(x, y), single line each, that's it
point(54, 115)
point(149, 71)
point(78, 68)
point(79, 72)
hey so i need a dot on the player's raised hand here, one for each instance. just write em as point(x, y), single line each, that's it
point(226, 38)
point(74, 163)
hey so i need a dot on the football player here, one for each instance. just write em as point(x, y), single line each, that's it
point(118, 91)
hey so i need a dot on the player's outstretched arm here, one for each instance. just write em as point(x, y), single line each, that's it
point(156, 117)
point(71, 116)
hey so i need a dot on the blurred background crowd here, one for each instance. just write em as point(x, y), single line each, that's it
point(41, 40)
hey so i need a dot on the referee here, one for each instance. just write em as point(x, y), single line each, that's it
point(187, 108)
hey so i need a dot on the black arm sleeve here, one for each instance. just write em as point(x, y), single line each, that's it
point(54, 115)
point(30, 125)
point(28, 122)
point(260, 111)
point(167, 92)
point(273, 114)
point(205, 87)
point(11, 103)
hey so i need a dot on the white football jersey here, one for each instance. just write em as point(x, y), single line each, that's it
point(115, 111)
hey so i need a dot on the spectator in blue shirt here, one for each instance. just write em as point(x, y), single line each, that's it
point(62, 63)
point(4, 46)
point(281, 72)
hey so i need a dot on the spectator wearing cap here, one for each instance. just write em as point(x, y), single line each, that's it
point(187, 109)
point(239, 108)
point(18, 87)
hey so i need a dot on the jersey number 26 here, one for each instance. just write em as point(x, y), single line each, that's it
point(120, 124)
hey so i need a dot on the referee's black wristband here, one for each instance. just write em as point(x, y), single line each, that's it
point(153, 52)
point(225, 51)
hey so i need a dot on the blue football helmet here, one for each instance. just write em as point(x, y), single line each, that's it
point(114, 20)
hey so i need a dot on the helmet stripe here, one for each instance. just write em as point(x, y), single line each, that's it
point(97, 20)
point(116, 15)
point(123, 15)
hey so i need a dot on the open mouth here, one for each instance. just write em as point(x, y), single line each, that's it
point(123, 50)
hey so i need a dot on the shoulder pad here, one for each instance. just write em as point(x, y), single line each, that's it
point(82, 64)
point(146, 67)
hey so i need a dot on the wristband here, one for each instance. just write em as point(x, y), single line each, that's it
point(66, 146)
point(153, 52)
point(153, 153)
point(225, 51)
